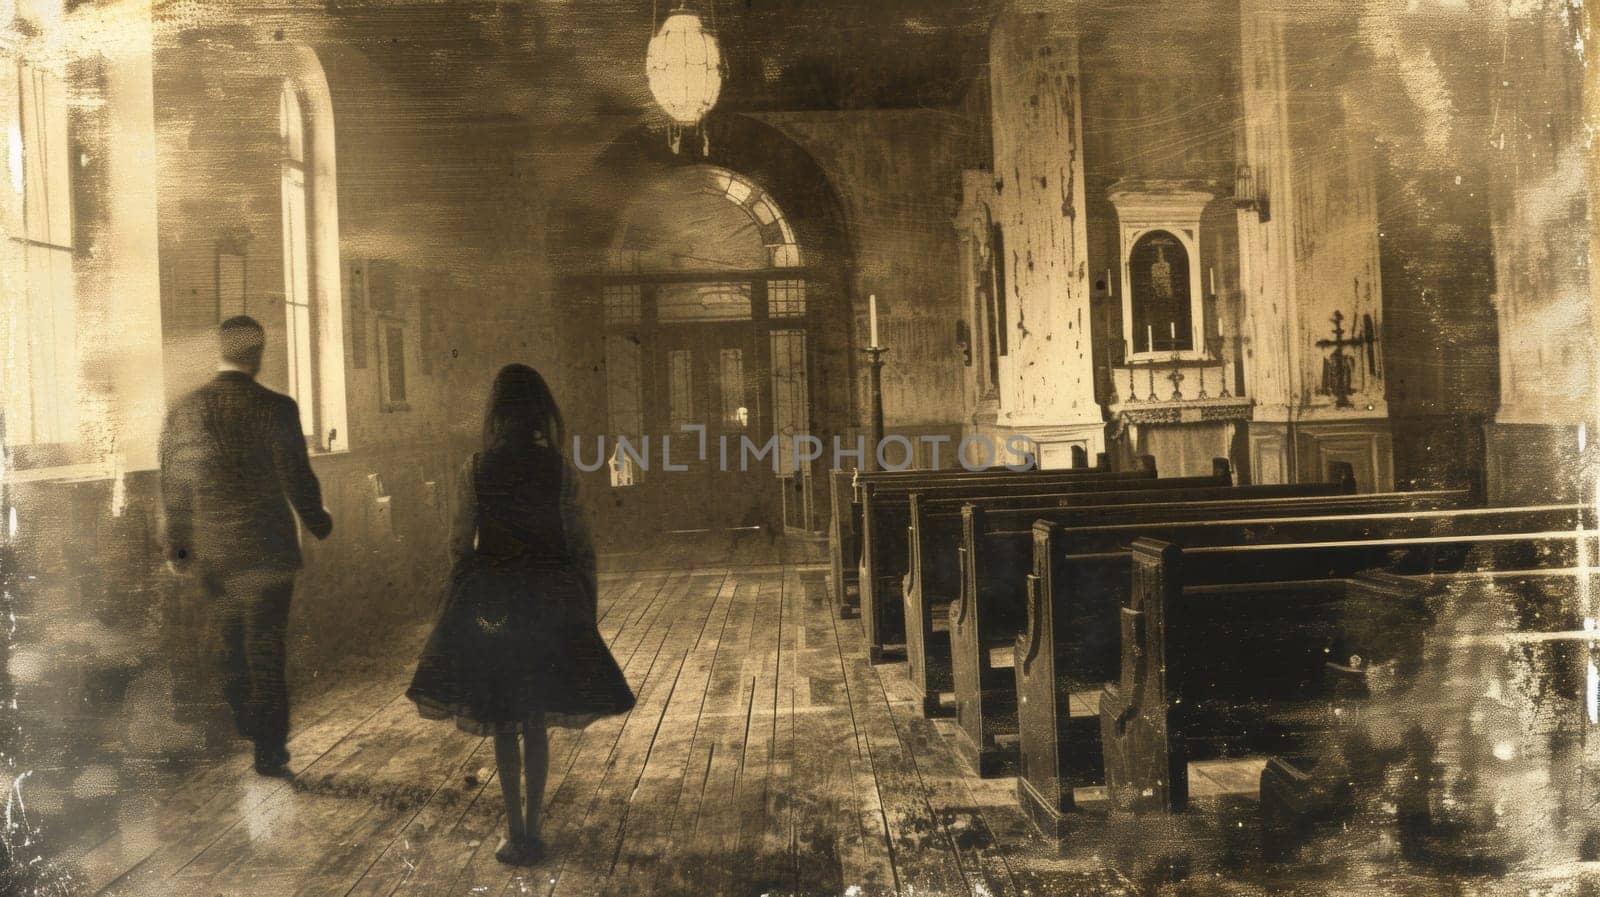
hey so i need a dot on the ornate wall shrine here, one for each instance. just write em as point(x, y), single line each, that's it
point(1172, 387)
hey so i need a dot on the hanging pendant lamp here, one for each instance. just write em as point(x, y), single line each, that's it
point(684, 67)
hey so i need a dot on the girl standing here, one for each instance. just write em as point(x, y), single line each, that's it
point(517, 648)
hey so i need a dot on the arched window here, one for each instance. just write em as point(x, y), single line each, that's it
point(298, 309)
point(313, 304)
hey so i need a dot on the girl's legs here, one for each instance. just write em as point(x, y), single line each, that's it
point(508, 758)
point(536, 767)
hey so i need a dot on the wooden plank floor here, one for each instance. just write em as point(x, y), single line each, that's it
point(766, 756)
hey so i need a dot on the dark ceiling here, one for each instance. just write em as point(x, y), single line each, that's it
point(841, 54)
point(780, 54)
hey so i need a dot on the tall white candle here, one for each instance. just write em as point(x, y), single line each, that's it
point(872, 316)
point(1172, 330)
point(1213, 280)
point(1109, 290)
point(1149, 338)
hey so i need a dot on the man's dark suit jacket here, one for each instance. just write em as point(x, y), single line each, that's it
point(233, 461)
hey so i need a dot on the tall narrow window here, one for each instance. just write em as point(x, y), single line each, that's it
point(791, 394)
point(298, 307)
point(681, 370)
point(41, 405)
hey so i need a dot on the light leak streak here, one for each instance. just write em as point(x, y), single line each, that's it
point(1586, 600)
point(14, 158)
point(14, 800)
point(1593, 678)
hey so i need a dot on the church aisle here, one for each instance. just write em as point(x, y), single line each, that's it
point(766, 756)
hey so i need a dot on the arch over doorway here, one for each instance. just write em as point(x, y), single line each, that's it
point(719, 281)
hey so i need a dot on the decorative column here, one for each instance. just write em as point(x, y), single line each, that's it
point(1047, 374)
point(1308, 245)
point(1540, 166)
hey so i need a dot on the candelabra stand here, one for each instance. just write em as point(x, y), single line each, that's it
point(1214, 346)
point(1117, 353)
point(875, 402)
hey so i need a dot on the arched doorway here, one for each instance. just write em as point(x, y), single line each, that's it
point(717, 286)
point(707, 355)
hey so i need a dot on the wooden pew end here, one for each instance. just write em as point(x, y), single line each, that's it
point(1087, 810)
point(850, 609)
point(881, 654)
point(992, 761)
point(1051, 822)
point(941, 705)
point(1286, 810)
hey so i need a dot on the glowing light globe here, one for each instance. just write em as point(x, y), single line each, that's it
point(684, 65)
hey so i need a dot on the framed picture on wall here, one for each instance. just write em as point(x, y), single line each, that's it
point(382, 286)
point(391, 345)
point(232, 271)
point(357, 303)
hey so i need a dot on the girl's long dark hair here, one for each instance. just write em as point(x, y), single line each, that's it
point(521, 411)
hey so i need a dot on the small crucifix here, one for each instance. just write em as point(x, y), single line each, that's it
point(1177, 379)
point(1338, 369)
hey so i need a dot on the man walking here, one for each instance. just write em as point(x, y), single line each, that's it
point(233, 462)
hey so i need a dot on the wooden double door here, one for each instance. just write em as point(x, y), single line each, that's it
point(708, 396)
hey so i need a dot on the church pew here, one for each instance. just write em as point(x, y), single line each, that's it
point(1297, 795)
point(934, 537)
point(1226, 651)
point(1072, 643)
point(992, 605)
point(885, 554)
point(844, 521)
point(842, 528)
point(886, 549)
point(1261, 683)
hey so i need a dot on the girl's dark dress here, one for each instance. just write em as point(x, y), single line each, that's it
point(517, 636)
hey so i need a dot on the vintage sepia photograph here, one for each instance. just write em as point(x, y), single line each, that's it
point(799, 448)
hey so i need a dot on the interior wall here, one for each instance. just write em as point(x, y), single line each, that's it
point(1158, 106)
point(435, 199)
point(1437, 256)
point(1162, 109)
point(1539, 160)
point(415, 213)
point(898, 175)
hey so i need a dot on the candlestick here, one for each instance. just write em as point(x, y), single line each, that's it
point(872, 316)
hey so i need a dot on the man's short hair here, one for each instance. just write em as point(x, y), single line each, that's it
point(242, 339)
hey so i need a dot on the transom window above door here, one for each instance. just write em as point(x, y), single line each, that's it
point(703, 218)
